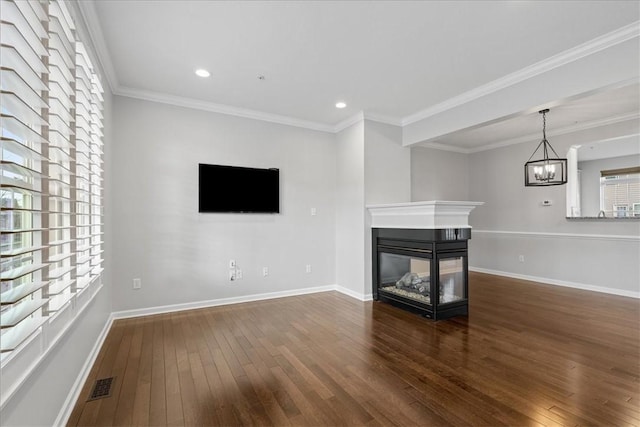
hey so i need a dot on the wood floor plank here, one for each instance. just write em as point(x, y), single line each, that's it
point(527, 354)
point(175, 415)
point(141, 404)
point(88, 410)
point(271, 405)
point(106, 413)
point(193, 411)
point(129, 379)
point(157, 394)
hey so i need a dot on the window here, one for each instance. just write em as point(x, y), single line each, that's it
point(620, 210)
point(620, 192)
point(50, 175)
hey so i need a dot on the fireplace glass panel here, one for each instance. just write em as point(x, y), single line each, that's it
point(452, 280)
point(406, 276)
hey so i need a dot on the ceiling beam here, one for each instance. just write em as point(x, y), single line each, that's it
point(606, 61)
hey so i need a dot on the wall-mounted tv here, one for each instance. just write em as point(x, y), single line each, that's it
point(238, 189)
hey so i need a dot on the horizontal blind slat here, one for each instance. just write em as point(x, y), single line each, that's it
point(19, 292)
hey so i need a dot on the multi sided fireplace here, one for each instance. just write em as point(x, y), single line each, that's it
point(424, 271)
point(423, 266)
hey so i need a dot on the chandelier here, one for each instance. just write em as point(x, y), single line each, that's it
point(547, 170)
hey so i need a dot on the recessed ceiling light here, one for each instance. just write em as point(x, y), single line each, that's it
point(201, 72)
point(340, 104)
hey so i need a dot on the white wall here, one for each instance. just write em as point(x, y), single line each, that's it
point(373, 167)
point(350, 216)
point(387, 179)
point(181, 255)
point(439, 175)
point(387, 164)
point(590, 179)
point(600, 255)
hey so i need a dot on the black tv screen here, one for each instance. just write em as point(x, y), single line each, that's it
point(238, 189)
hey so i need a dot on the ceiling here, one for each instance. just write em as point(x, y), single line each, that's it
point(388, 59)
point(616, 147)
point(565, 116)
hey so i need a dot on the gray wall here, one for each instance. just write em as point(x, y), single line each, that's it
point(599, 255)
point(387, 178)
point(350, 233)
point(439, 175)
point(182, 256)
point(513, 225)
point(387, 164)
point(590, 180)
point(373, 168)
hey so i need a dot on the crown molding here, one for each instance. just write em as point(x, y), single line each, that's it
point(557, 132)
point(220, 108)
point(197, 104)
point(381, 118)
point(89, 14)
point(350, 121)
point(92, 23)
point(87, 9)
point(360, 116)
point(444, 147)
point(598, 44)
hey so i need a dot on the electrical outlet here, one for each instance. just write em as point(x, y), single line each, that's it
point(137, 283)
point(232, 275)
point(308, 268)
point(238, 274)
point(265, 271)
point(314, 211)
point(232, 263)
point(521, 258)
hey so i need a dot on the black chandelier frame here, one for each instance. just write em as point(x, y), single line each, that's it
point(547, 170)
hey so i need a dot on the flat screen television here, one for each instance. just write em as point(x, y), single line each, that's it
point(235, 189)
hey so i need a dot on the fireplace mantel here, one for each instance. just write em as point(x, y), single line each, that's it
point(422, 215)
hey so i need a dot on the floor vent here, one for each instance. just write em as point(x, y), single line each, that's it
point(102, 388)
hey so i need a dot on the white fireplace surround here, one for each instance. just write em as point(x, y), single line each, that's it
point(428, 214)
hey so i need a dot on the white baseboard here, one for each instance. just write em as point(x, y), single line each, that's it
point(353, 294)
point(69, 403)
point(546, 235)
point(555, 282)
point(125, 314)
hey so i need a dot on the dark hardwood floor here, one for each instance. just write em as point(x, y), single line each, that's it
point(527, 354)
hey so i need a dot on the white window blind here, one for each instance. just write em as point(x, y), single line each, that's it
point(24, 106)
point(60, 221)
point(51, 176)
point(620, 194)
